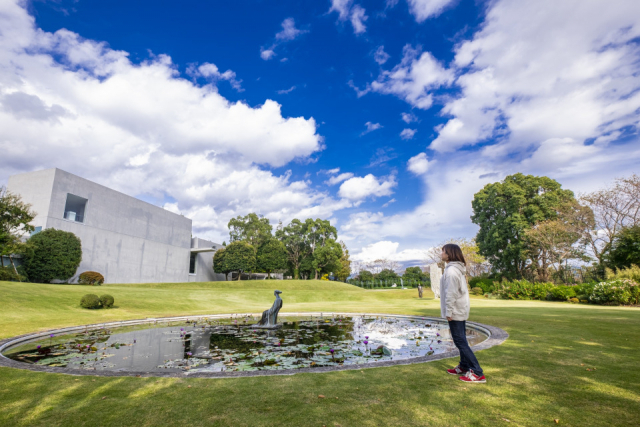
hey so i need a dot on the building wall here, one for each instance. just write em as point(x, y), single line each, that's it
point(125, 239)
point(204, 262)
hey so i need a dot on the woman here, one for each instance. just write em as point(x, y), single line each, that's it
point(454, 305)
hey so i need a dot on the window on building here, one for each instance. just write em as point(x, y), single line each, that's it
point(74, 209)
point(36, 231)
point(192, 263)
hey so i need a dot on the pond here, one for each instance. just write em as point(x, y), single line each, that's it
point(232, 344)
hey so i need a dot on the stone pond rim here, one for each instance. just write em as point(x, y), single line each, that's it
point(496, 336)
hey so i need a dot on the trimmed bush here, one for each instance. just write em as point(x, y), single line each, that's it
point(91, 278)
point(90, 301)
point(561, 293)
point(107, 301)
point(487, 285)
point(477, 291)
point(54, 255)
point(574, 300)
point(523, 289)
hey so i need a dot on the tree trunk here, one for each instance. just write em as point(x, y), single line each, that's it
point(296, 274)
point(268, 274)
point(2, 260)
point(14, 268)
point(316, 278)
point(239, 276)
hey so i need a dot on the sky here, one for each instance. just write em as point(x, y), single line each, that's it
point(384, 116)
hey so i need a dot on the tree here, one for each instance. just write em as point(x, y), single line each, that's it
point(327, 257)
point(52, 255)
point(378, 265)
point(251, 228)
point(240, 257)
point(318, 234)
point(365, 275)
point(625, 250)
point(614, 208)
point(344, 270)
point(415, 274)
point(555, 241)
point(293, 238)
point(387, 274)
point(505, 210)
point(272, 255)
point(219, 264)
point(15, 218)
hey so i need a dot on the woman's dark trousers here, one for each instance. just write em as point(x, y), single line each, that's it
point(467, 358)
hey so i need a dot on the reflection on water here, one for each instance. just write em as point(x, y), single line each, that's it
point(233, 345)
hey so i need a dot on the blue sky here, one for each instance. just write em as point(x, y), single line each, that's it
point(384, 116)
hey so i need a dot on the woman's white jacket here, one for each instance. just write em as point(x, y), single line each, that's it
point(454, 295)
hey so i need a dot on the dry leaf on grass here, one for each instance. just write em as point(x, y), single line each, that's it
point(321, 396)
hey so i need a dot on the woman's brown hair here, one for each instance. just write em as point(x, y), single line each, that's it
point(454, 253)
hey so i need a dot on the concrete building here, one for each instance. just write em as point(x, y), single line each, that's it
point(123, 238)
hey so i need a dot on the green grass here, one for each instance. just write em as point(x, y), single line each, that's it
point(539, 374)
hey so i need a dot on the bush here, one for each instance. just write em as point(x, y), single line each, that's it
point(90, 301)
point(523, 289)
point(632, 273)
point(54, 254)
point(584, 288)
point(487, 285)
point(574, 300)
point(561, 293)
point(616, 292)
point(7, 274)
point(107, 301)
point(477, 291)
point(91, 278)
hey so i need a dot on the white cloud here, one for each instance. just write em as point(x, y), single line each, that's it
point(386, 249)
point(371, 127)
point(337, 179)
point(289, 31)
point(424, 9)
point(356, 14)
point(285, 91)
point(78, 105)
point(389, 202)
point(408, 133)
point(211, 72)
point(409, 118)
point(419, 164)
point(380, 56)
point(414, 78)
point(547, 70)
point(267, 54)
point(360, 188)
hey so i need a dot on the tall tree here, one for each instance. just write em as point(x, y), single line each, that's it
point(344, 271)
point(15, 218)
point(505, 210)
point(219, 264)
point(387, 274)
point(625, 250)
point(252, 228)
point(272, 255)
point(293, 238)
point(614, 208)
point(414, 273)
point(327, 257)
point(318, 233)
point(240, 257)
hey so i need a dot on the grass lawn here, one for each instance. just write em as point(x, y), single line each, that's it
point(538, 375)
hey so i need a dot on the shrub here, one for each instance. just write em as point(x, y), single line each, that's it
point(91, 278)
point(616, 292)
point(54, 254)
point(585, 288)
point(487, 285)
point(107, 301)
point(632, 273)
point(90, 301)
point(7, 274)
point(523, 289)
point(574, 300)
point(477, 291)
point(561, 293)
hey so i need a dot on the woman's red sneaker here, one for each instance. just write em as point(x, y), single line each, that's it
point(456, 371)
point(470, 377)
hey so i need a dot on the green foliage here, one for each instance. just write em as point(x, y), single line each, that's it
point(505, 210)
point(632, 273)
point(15, 218)
point(53, 254)
point(625, 250)
point(91, 278)
point(344, 269)
point(8, 274)
point(90, 301)
point(415, 274)
point(107, 301)
point(562, 293)
point(271, 255)
point(387, 274)
point(523, 289)
point(365, 275)
point(293, 238)
point(240, 257)
point(477, 291)
point(574, 300)
point(616, 292)
point(219, 265)
point(251, 228)
point(487, 285)
point(326, 258)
